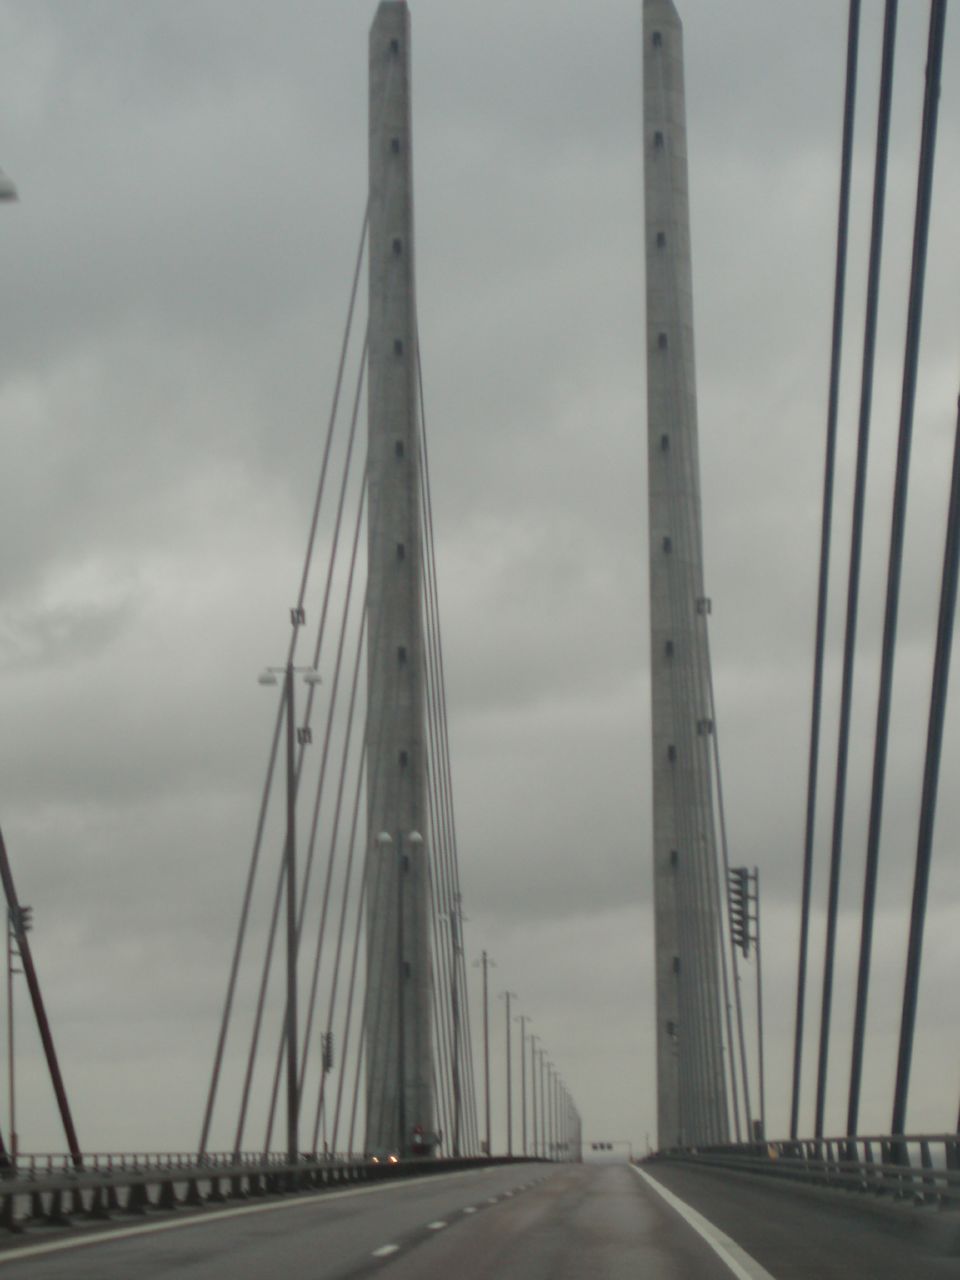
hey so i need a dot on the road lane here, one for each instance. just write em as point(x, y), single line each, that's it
point(587, 1222)
point(798, 1232)
point(526, 1220)
point(521, 1222)
point(334, 1234)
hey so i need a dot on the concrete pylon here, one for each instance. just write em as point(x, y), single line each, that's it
point(398, 1026)
point(691, 1083)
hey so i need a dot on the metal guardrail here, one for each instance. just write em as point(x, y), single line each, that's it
point(43, 1163)
point(50, 1190)
point(923, 1168)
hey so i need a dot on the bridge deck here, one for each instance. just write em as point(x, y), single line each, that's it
point(526, 1221)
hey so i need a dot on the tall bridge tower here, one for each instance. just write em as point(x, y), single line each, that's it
point(398, 1027)
point(691, 1090)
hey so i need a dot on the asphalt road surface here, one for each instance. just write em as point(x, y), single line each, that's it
point(807, 1233)
point(521, 1222)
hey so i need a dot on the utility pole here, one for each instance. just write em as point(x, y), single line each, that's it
point(508, 996)
point(401, 1029)
point(744, 898)
point(290, 871)
point(40, 1013)
point(551, 1122)
point(18, 919)
point(523, 1019)
point(533, 1092)
point(756, 938)
point(312, 677)
point(486, 963)
point(456, 950)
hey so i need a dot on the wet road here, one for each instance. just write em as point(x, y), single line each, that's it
point(809, 1233)
point(520, 1222)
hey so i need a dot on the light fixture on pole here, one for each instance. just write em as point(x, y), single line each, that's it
point(8, 190)
point(269, 676)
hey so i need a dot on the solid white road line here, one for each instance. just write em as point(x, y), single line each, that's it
point(728, 1251)
point(385, 1250)
point(218, 1215)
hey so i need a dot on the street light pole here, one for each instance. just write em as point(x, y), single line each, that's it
point(8, 193)
point(414, 839)
point(11, 1056)
point(559, 1108)
point(269, 677)
point(485, 963)
point(455, 1012)
point(533, 1092)
point(523, 1019)
point(551, 1111)
point(19, 921)
point(290, 858)
point(508, 996)
point(401, 1030)
point(559, 1114)
point(756, 938)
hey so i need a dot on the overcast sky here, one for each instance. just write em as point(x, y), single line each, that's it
point(192, 179)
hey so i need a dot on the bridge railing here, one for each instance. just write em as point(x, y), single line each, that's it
point(43, 1163)
point(922, 1167)
point(50, 1189)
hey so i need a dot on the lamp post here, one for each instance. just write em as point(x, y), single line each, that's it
point(414, 840)
point(551, 1120)
point(311, 677)
point(561, 1129)
point(508, 996)
point(486, 963)
point(745, 933)
point(455, 916)
point(533, 1092)
point(523, 1019)
point(756, 925)
point(19, 920)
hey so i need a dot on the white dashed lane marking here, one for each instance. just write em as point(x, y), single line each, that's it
point(385, 1250)
point(470, 1209)
point(435, 1226)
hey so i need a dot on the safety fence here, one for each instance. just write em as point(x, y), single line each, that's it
point(49, 1190)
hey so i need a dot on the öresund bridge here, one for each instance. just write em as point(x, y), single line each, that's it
point(346, 1123)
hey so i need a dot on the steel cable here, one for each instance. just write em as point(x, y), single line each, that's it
point(843, 220)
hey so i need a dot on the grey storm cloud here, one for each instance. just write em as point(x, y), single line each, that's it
point(192, 181)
